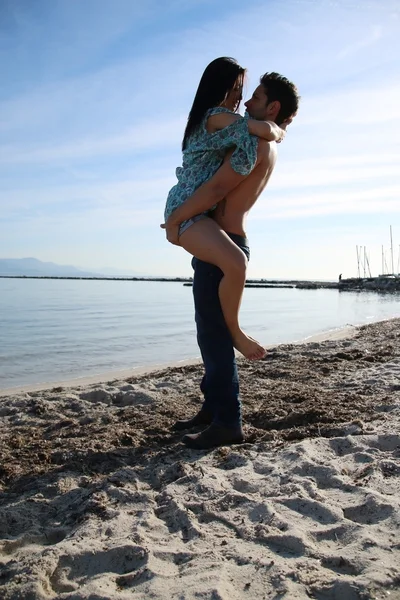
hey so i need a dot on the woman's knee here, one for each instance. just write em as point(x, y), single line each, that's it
point(237, 265)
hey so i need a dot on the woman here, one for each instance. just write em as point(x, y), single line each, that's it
point(214, 129)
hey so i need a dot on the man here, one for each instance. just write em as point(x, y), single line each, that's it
point(275, 99)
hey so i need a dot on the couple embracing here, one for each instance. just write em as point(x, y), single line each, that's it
point(227, 162)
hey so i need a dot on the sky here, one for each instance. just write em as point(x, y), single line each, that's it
point(95, 94)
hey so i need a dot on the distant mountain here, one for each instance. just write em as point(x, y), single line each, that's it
point(34, 267)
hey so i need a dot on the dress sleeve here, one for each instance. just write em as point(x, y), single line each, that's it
point(236, 135)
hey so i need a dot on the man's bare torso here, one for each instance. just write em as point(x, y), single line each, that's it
point(231, 212)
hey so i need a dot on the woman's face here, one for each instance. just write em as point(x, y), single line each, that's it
point(233, 99)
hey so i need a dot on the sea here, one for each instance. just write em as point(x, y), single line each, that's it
point(54, 330)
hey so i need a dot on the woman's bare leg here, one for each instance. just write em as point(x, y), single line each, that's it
point(205, 240)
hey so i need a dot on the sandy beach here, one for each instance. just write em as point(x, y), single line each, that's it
point(99, 500)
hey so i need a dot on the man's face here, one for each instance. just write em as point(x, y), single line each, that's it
point(260, 108)
point(257, 106)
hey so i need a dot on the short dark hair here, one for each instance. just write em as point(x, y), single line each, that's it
point(280, 88)
point(217, 81)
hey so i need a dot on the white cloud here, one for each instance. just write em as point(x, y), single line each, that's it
point(360, 104)
point(317, 173)
point(144, 136)
point(333, 202)
point(374, 36)
point(135, 194)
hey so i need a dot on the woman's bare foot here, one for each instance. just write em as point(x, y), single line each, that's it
point(249, 347)
point(265, 350)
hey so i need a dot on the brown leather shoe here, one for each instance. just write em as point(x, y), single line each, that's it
point(214, 435)
point(203, 417)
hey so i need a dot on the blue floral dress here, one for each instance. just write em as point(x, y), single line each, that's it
point(205, 153)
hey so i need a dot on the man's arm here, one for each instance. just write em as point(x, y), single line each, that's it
point(210, 193)
point(205, 197)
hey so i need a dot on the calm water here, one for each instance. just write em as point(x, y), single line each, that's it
point(53, 330)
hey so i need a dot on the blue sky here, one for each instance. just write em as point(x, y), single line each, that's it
point(94, 97)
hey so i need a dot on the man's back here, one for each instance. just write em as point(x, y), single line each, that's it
point(231, 213)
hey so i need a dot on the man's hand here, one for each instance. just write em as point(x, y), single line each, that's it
point(172, 232)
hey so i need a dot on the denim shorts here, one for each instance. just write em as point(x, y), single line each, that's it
point(186, 224)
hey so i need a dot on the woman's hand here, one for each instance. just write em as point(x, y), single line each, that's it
point(172, 232)
point(286, 122)
point(282, 132)
point(283, 126)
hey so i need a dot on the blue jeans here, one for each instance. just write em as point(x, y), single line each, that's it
point(220, 384)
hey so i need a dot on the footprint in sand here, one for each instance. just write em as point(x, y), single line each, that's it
point(368, 513)
point(47, 538)
point(344, 534)
point(74, 570)
point(175, 517)
point(285, 544)
point(342, 565)
point(312, 509)
point(340, 589)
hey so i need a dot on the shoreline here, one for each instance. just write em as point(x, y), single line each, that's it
point(381, 283)
point(333, 334)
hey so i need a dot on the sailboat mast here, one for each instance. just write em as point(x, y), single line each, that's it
point(358, 263)
point(391, 249)
point(369, 270)
point(365, 264)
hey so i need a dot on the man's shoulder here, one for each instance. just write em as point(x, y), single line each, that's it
point(266, 148)
point(266, 151)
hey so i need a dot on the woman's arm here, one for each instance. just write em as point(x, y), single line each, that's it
point(267, 130)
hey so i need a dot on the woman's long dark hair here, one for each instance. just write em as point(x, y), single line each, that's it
point(217, 81)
